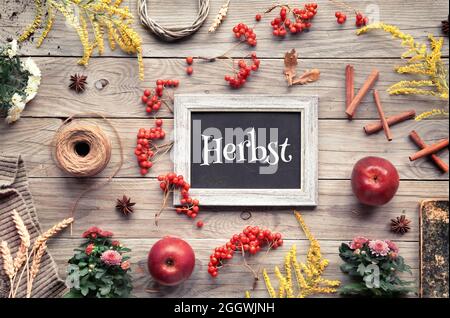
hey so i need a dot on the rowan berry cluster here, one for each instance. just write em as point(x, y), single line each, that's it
point(171, 182)
point(301, 21)
point(240, 77)
point(242, 30)
point(145, 149)
point(152, 99)
point(251, 240)
point(361, 20)
point(340, 17)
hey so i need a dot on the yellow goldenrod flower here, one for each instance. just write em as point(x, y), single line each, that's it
point(269, 286)
point(421, 61)
point(308, 275)
point(35, 24)
point(48, 26)
point(94, 15)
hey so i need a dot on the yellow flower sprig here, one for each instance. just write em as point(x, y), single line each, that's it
point(309, 280)
point(101, 16)
point(421, 60)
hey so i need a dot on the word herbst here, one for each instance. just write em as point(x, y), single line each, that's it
point(239, 146)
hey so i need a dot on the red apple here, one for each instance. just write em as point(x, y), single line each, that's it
point(171, 261)
point(374, 181)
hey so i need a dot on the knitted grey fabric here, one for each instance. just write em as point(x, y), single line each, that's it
point(14, 195)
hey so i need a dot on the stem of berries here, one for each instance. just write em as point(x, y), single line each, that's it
point(301, 19)
point(146, 150)
point(240, 77)
point(250, 240)
point(152, 98)
point(168, 184)
point(242, 30)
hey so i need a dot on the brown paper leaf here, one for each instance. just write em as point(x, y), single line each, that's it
point(290, 64)
point(308, 77)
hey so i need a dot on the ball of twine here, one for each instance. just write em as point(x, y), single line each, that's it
point(175, 33)
point(81, 149)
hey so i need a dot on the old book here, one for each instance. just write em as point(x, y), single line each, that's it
point(434, 245)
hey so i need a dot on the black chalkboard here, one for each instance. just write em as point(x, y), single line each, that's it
point(276, 132)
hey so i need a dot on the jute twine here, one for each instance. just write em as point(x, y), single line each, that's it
point(82, 149)
point(176, 33)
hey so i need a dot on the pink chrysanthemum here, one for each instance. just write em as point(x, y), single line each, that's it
point(125, 265)
point(392, 246)
point(89, 249)
point(379, 247)
point(94, 232)
point(111, 258)
point(358, 242)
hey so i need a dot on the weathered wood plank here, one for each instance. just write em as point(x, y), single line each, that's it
point(121, 98)
point(232, 281)
point(326, 39)
point(341, 144)
point(338, 215)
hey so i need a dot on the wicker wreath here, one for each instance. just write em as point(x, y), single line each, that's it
point(173, 34)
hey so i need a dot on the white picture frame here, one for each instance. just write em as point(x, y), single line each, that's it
point(307, 195)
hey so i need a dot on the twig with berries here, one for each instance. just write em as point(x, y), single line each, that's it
point(152, 98)
point(299, 21)
point(360, 19)
point(189, 206)
point(147, 151)
point(251, 240)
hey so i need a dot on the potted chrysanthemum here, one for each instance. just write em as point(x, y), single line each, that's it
point(99, 268)
point(19, 81)
point(375, 266)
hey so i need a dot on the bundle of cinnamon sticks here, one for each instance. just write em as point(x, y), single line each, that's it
point(353, 101)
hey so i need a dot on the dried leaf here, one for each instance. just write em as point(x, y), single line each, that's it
point(290, 65)
point(308, 77)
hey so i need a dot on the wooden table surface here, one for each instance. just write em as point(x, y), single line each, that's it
point(328, 47)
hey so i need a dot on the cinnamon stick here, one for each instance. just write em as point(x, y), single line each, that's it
point(428, 150)
point(419, 142)
point(349, 84)
point(395, 119)
point(368, 84)
point(387, 130)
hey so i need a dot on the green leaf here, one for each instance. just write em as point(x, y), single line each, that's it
point(84, 272)
point(105, 290)
point(361, 269)
point(84, 290)
point(73, 293)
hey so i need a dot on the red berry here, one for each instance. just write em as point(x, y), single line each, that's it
point(200, 223)
point(189, 70)
point(258, 17)
point(189, 60)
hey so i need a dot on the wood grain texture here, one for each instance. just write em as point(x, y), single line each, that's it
point(121, 98)
point(328, 47)
point(233, 280)
point(341, 144)
point(326, 39)
point(339, 216)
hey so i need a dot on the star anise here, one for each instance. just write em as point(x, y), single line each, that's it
point(78, 82)
point(125, 205)
point(445, 26)
point(400, 225)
